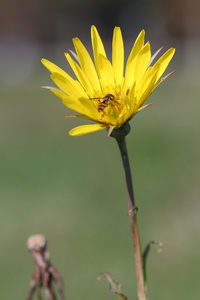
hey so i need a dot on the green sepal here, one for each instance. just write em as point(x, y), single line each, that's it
point(121, 132)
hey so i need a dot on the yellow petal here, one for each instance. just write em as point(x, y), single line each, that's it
point(52, 67)
point(132, 97)
point(82, 106)
point(86, 64)
point(71, 103)
point(84, 129)
point(112, 115)
point(80, 75)
point(130, 66)
point(66, 86)
point(55, 69)
point(146, 86)
point(164, 61)
point(143, 58)
point(97, 45)
point(90, 109)
point(118, 55)
point(105, 71)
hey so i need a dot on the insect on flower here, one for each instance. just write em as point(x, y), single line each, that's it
point(109, 99)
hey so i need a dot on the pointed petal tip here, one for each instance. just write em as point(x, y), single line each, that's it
point(173, 50)
point(117, 30)
point(44, 61)
point(143, 107)
point(93, 30)
point(93, 27)
point(141, 35)
point(171, 73)
point(142, 32)
point(51, 88)
point(76, 39)
point(46, 87)
point(73, 54)
point(110, 130)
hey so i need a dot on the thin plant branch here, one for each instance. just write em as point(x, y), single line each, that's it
point(119, 135)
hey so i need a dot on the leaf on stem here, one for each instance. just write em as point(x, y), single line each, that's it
point(158, 248)
point(114, 286)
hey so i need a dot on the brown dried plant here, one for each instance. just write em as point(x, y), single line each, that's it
point(45, 274)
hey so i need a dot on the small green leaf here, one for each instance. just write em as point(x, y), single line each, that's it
point(146, 252)
point(114, 286)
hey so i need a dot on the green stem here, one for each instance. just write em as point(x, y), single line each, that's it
point(141, 290)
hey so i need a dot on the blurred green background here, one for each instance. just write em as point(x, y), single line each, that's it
point(72, 190)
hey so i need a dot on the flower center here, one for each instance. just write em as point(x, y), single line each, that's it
point(111, 107)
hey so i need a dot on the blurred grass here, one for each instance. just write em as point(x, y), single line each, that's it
point(72, 190)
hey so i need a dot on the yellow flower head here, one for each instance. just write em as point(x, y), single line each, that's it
point(103, 92)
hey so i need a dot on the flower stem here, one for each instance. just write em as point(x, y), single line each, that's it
point(141, 290)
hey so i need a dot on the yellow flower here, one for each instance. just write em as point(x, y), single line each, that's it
point(103, 92)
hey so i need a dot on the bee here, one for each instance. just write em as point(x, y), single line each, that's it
point(104, 102)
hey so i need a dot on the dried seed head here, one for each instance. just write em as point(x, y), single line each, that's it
point(36, 242)
point(45, 274)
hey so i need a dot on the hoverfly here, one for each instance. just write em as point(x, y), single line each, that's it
point(104, 102)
